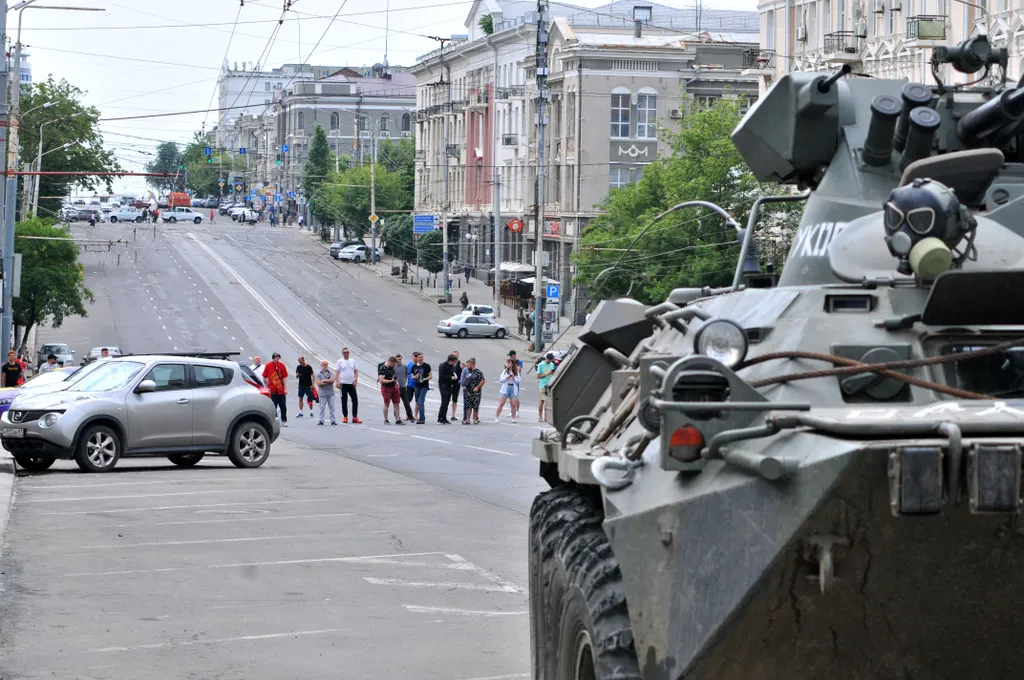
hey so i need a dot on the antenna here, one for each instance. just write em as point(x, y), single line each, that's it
point(387, 23)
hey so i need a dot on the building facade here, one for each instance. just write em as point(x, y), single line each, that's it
point(882, 38)
point(612, 87)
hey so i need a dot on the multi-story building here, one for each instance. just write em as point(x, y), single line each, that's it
point(884, 38)
point(354, 106)
point(25, 71)
point(251, 90)
point(613, 84)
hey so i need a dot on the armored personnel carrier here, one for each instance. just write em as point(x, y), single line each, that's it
point(819, 476)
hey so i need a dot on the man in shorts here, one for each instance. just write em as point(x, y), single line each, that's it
point(544, 371)
point(304, 372)
point(389, 389)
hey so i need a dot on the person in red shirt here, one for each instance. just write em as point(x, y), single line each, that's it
point(274, 376)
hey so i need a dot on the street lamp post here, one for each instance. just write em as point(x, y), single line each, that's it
point(11, 198)
point(39, 156)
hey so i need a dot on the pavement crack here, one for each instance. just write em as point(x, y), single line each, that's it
point(397, 544)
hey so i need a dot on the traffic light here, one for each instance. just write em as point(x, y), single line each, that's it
point(279, 159)
point(181, 166)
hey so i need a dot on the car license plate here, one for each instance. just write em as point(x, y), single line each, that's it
point(12, 433)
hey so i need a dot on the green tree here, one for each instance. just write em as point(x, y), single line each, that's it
point(202, 175)
point(67, 120)
point(431, 249)
point(487, 24)
point(345, 197)
point(316, 172)
point(690, 247)
point(168, 159)
point(398, 238)
point(399, 156)
point(52, 280)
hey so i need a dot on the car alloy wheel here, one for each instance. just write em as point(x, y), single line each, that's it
point(462, 333)
point(172, 220)
point(99, 449)
point(250, 446)
point(500, 334)
point(113, 220)
point(198, 220)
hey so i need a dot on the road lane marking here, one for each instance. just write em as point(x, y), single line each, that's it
point(500, 677)
point(480, 448)
point(462, 612)
point(42, 487)
point(430, 439)
point(397, 434)
point(195, 542)
point(222, 521)
point(447, 585)
point(143, 495)
point(369, 559)
point(187, 507)
point(217, 641)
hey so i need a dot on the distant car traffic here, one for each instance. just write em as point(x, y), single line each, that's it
point(466, 325)
point(181, 214)
point(173, 406)
point(210, 202)
point(244, 215)
point(50, 381)
point(96, 352)
point(226, 208)
point(480, 310)
point(360, 253)
point(83, 215)
point(336, 248)
point(126, 214)
point(65, 355)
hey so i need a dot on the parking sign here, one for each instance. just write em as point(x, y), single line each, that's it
point(553, 291)
point(241, 151)
point(284, 148)
point(291, 194)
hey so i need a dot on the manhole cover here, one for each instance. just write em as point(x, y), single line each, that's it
point(230, 512)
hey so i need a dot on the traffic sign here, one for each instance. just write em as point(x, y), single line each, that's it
point(515, 225)
point(238, 187)
point(208, 151)
point(241, 151)
point(252, 192)
point(291, 194)
point(553, 291)
point(284, 148)
point(216, 159)
point(373, 218)
point(277, 198)
point(423, 224)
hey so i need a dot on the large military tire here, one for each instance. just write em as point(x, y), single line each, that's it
point(579, 622)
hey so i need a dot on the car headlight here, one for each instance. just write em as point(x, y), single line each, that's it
point(722, 340)
point(50, 419)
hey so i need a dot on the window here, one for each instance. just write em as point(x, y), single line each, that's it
point(266, 87)
point(646, 116)
point(211, 376)
point(570, 115)
point(167, 377)
point(620, 115)
point(406, 122)
point(363, 122)
point(769, 37)
point(385, 122)
point(301, 120)
point(324, 74)
point(618, 178)
point(108, 376)
point(335, 121)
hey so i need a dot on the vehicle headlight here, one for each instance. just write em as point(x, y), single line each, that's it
point(50, 419)
point(722, 340)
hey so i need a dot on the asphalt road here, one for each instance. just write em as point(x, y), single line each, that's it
point(202, 586)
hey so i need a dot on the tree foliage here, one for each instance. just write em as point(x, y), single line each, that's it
point(398, 238)
point(487, 24)
point(316, 171)
point(168, 158)
point(431, 249)
point(202, 177)
point(690, 247)
point(52, 280)
point(67, 120)
point(345, 197)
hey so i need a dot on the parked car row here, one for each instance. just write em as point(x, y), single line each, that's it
point(353, 251)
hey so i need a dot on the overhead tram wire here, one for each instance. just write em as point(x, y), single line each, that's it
point(265, 51)
point(241, 4)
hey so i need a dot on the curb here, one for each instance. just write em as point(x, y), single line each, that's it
point(7, 465)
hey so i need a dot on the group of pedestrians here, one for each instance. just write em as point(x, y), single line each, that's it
point(403, 386)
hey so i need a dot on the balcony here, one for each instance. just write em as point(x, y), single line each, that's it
point(478, 99)
point(510, 92)
point(510, 140)
point(452, 150)
point(840, 47)
point(926, 31)
point(420, 155)
point(758, 59)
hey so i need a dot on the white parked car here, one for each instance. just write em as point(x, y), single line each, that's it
point(126, 214)
point(181, 214)
point(357, 254)
point(244, 215)
point(480, 310)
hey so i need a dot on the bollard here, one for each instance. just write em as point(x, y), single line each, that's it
point(421, 284)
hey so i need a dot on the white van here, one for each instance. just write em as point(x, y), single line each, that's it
point(126, 214)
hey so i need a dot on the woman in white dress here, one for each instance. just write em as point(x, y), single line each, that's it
point(509, 381)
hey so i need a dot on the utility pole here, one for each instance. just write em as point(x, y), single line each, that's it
point(373, 199)
point(11, 196)
point(496, 187)
point(542, 96)
point(6, 265)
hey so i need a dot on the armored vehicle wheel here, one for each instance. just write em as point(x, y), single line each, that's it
point(579, 622)
point(185, 459)
point(34, 463)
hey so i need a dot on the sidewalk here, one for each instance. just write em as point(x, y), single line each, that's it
point(420, 280)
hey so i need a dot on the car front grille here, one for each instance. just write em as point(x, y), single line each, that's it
point(26, 416)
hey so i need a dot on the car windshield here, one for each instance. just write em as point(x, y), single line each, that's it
point(47, 378)
point(55, 349)
point(108, 376)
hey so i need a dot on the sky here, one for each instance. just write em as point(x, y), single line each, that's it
point(144, 57)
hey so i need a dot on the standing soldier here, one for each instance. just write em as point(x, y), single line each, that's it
point(522, 320)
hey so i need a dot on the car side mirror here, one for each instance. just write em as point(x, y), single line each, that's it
point(145, 386)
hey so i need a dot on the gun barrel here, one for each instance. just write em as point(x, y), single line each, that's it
point(991, 116)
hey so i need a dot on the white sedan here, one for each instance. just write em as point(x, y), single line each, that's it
point(180, 214)
point(244, 215)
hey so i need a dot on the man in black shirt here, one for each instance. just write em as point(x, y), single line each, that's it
point(447, 382)
point(304, 372)
point(421, 376)
point(13, 373)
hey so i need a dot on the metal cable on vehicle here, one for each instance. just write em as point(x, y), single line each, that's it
point(852, 367)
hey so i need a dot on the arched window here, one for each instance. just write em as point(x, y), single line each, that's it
point(302, 121)
point(406, 122)
point(385, 122)
point(335, 121)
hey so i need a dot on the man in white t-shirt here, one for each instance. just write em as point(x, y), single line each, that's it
point(348, 377)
